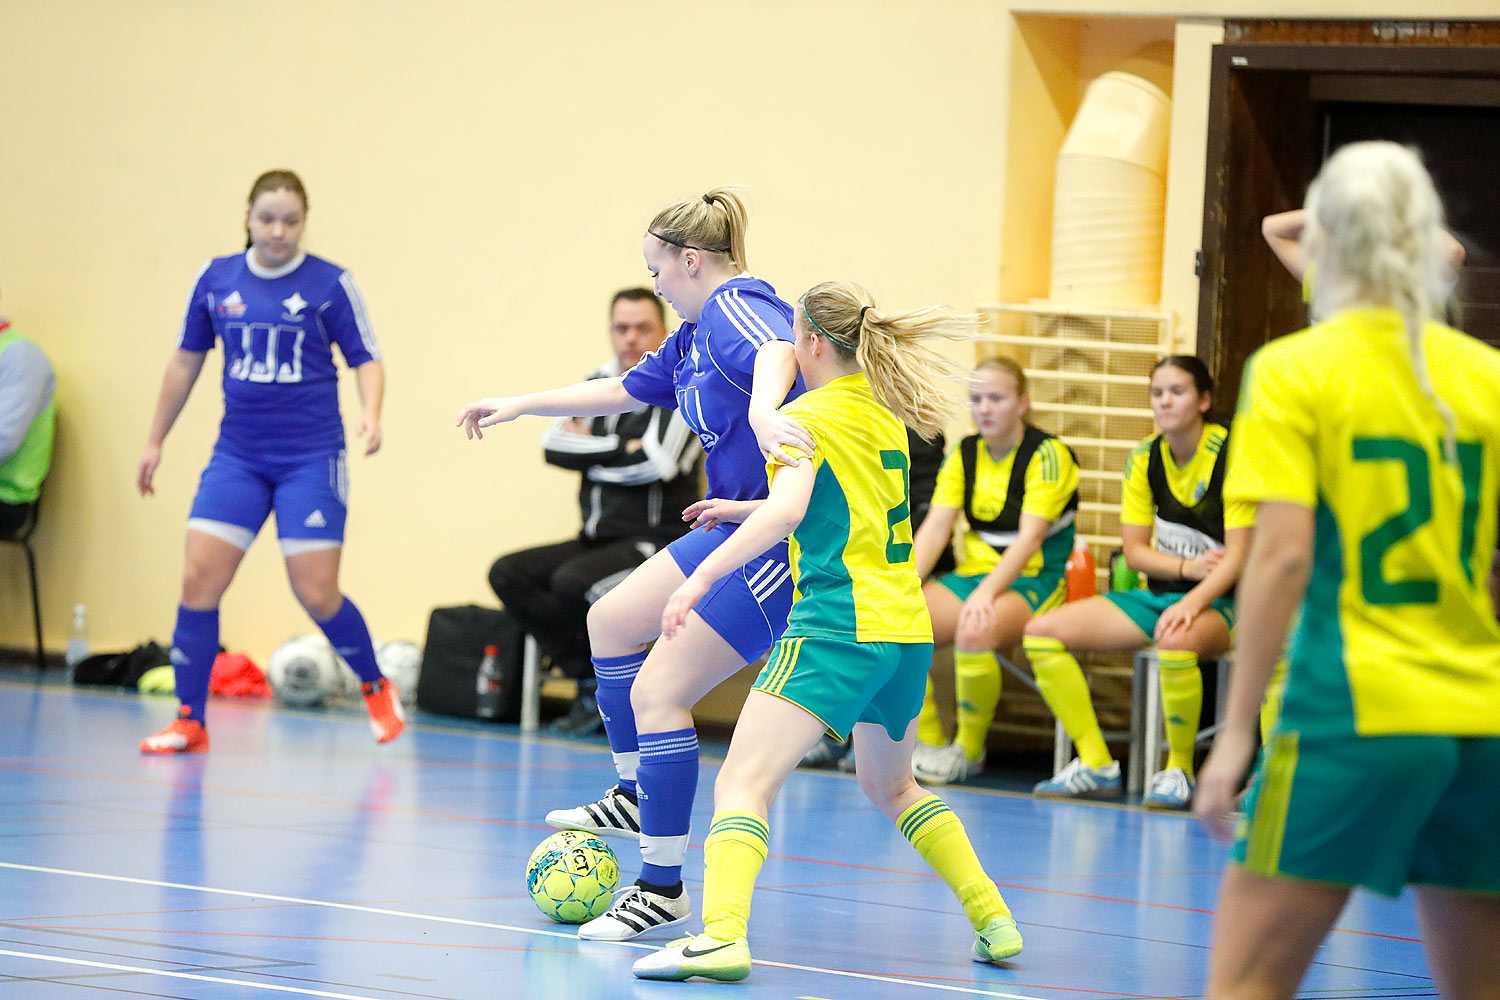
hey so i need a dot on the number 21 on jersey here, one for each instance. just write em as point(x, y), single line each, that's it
point(1373, 547)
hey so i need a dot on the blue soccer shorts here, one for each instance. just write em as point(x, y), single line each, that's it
point(309, 495)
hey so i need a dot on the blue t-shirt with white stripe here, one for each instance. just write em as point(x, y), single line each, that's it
point(279, 327)
point(705, 371)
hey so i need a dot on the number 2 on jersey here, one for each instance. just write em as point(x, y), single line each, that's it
point(896, 553)
point(1375, 588)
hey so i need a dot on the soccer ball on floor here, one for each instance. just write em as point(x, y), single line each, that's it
point(572, 876)
point(401, 662)
point(305, 671)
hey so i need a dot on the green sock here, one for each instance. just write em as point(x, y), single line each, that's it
point(976, 678)
point(929, 726)
point(1181, 705)
point(1060, 680)
point(940, 839)
point(733, 853)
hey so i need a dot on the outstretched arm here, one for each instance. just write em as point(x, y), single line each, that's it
point(593, 398)
point(775, 374)
point(772, 521)
point(182, 371)
point(1275, 579)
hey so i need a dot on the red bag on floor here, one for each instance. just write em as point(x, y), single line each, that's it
point(236, 676)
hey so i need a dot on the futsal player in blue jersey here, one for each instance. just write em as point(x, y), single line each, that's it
point(279, 313)
point(726, 369)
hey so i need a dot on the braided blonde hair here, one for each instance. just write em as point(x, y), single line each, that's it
point(908, 377)
point(1374, 231)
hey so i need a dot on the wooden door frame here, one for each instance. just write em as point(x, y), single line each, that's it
point(1460, 63)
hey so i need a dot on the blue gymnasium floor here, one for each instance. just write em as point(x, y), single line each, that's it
point(298, 859)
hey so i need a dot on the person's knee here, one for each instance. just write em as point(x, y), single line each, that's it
point(319, 598)
point(504, 578)
point(202, 585)
point(1041, 627)
point(884, 790)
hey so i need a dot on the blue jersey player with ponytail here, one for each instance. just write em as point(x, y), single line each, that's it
point(279, 313)
point(726, 369)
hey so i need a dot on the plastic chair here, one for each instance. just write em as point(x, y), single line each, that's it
point(21, 536)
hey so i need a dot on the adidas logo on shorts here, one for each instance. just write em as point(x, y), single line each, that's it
point(315, 520)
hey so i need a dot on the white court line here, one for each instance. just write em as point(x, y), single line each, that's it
point(186, 975)
point(382, 911)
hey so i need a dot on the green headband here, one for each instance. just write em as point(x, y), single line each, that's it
point(847, 347)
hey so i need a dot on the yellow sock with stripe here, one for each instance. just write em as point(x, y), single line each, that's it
point(1181, 705)
point(733, 853)
point(939, 837)
point(976, 678)
point(929, 726)
point(1060, 680)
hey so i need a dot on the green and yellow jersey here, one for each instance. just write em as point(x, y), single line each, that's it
point(851, 556)
point(1051, 486)
point(1184, 504)
point(1397, 634)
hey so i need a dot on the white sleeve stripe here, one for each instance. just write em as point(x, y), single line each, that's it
point(557, 439)
point(192, 298)
point(733, 311)
point(665, 447)
point(639, 474)
point(754, 317)
point(361, 318)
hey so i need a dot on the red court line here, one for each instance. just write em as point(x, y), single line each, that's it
point(515, 824)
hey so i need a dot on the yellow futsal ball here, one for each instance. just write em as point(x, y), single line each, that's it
point(572, 876)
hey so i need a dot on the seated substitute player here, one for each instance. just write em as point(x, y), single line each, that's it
point(27, 424)
point(858, 644)
point(1173, 487)
point(1370, 444)
point(279, 312)
point(1017, 486)
point(637, 476)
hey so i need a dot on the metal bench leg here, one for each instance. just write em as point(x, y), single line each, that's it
point(1152, 740)
point(531, 686)
point(36, 607)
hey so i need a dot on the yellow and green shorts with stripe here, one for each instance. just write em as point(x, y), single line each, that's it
point(1144, 607)
point(1042, 592)
point(1375, 811)
point(841, 682)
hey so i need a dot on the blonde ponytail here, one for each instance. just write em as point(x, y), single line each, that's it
point(909, 378)
point(1374, 232)
point(714, 223)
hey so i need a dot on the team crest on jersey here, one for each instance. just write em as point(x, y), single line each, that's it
point(233, 306)
point(294, 305)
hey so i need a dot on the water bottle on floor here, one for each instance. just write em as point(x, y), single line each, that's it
point(78, 639)
point(488, 684)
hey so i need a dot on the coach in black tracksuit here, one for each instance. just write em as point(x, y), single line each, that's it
point(639, 472)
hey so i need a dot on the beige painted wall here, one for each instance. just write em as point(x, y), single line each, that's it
point(485, 168)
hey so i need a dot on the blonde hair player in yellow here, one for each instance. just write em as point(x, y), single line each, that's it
point(1017, 486)
point(1173, 489)
point(858, 643)
point(1370, 444)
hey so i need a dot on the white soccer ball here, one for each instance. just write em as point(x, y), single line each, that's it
point(304, 670)
point(401, 662)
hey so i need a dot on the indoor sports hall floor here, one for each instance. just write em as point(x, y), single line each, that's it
point(300, 860)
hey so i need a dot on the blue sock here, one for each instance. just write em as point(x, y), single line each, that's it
point(615, 674)
point(195, 644)
point(669, 781)
point(351, 640)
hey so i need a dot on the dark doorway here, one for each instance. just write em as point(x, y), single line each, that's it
point(1277, 111)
